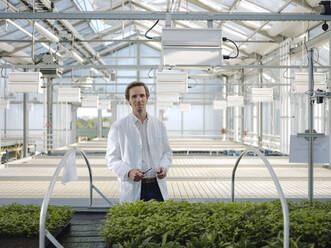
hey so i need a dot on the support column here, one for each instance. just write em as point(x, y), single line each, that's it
point(260, 117)
point(138, 61)
point(181, 123)
point(285, 97)
point(25, 124)
point(99, 126)
point(204, 110)
point(113, 112)
point(49, 115)
point(73, 124)
point(311, 127)
point(5, 123)
point(236, 117)
point(242, 79)
point(255, 117)
point(5, 110)
point(224, 111)
point(329, 102)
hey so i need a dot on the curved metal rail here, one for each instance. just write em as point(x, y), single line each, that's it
point(278, 187)
point(42, 224)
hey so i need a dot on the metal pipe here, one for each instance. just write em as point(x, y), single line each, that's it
point(44, 205)
point(259, 106)
point(49, 114)
point(147, 67)
point(42, 223)
point(278, 187)
point(311, 125)
point(25, 124)
point(90, 176)
point(329, 102)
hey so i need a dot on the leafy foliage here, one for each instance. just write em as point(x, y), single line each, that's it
point(23, 220)
point(216, 224)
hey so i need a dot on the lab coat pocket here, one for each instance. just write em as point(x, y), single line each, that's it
point(127, 187)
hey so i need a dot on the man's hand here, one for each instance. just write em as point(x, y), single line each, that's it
point(136, 175)
point(161, 173)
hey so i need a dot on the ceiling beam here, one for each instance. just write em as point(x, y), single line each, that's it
point(147, 67)
point(161, 15)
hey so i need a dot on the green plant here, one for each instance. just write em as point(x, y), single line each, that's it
point(23, 220)
point(217, 224)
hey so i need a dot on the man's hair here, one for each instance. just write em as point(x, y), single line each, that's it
point(134, 84)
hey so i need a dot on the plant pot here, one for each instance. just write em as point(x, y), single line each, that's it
point(31, 242)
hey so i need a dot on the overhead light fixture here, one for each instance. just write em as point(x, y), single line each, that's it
point(185, 107)
point(112, 76)
point(85, 82)
point(164, 105)
point(262, 95)
point(95, 71)
point(301, 81)
point(251, 7)
point(4, 104)
point(6, 47)
point(30, 35)
point(167, 97)
point(191, 47)
point(25, 82)
point(104, 104)
point(233, 32)
point(235, 101)
point(268, 77)
point(77, 57)
point(219, 104)
point(49, 35)
point(90, 101)
point(171, 82)
point(69, 95)
point(30, 106)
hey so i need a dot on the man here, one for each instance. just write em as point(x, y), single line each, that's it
point(138, 151)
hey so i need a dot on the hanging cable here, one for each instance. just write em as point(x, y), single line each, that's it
point(148, 37)
point(227, 56)
point(149, 73)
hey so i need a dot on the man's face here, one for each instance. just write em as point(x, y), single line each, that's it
point(138, 99)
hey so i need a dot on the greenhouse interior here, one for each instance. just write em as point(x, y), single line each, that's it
point(222, 106)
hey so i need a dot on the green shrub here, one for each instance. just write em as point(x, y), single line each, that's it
point(216, 224)
point(23, 220)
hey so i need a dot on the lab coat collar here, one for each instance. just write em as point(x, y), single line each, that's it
point(135, 119)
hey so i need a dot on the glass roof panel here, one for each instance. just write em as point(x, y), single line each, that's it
point(273, 6)
point(248, 6)
point(64, 5)
point(291, 8)
point(238, 28)
point(96, 25)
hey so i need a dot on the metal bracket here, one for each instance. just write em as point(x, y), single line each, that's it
point(313, 135)
point(168, 18)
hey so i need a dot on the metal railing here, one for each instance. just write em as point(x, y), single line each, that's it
point(278, 187)
point(42, 224)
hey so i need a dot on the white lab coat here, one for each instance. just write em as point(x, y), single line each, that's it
point(124, 152)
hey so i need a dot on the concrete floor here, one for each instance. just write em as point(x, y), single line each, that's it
point(193, 178)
